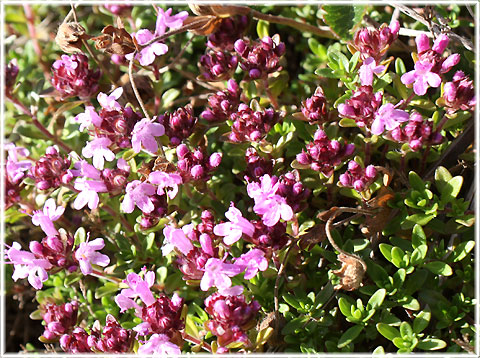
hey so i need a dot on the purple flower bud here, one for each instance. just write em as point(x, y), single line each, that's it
point(240, 46)
point(54, 243)
point(197, 172)
point(358, 185)
point(370, 172)
point(182, 150)
point(215, 160)
point(36, 248)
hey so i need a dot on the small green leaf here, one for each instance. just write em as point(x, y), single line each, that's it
point(397, 256)
point(169, 96)
point(347, 122)
point(387, 331)
point(439, 268)
point(349, 335)
point(354, 61)
point(343, 19)
point(422, 320)
point(431, 344)
point(317, 48)
point(108, 288)
point(400, 66)
point(326, 72)
point(451, 189)
point(406, 330)
point(386, 250)
point(418, 236)
point(442, 176)
point(291, 300)
point(345, 307)
point(377, 299)
point(80, 236)
point(420, 219)
point(262, 28)
point(418, 255)
point(462, 250)
point(416, 182)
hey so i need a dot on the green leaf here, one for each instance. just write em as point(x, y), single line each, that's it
point(343, 19)
point(291, 300)
point(387, 331)
point(169, 96)
point(377, 299)
point(400, 66)
point(442, 176)
point(349, 335)
point(406, 330)
point(439, 268)
point(422, 320)
point(80, 236)
point(418, 236)
point(345, 307)
point(326, 72)
point(462, 250)
point(108, 288)
point(30, 131)
point(386, 250)
point(418, 255)
point(416, 182)
point(431, 344)
point(317, 48)
point(420, 219)
point(354, 61)
point(347, 122)
point(451, 189)
point(262, 28)
point(397, 256)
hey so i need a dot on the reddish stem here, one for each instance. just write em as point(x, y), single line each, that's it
point(30, 16)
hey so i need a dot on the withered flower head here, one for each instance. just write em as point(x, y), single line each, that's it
point(69, 37)
point(115, 41)
point(351, 273)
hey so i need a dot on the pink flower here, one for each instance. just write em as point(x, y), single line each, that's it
point(98, 149)
point(86, 255)
point(254, 260)
point(88, 117)
point(138, 193)
point(46, 217)
point(14, 167)
point(27, 265)
point(176, 238)
point(217, 274)
point(422, 78)
point(271, 206)
point(367, 70)
point(164, 20)
point(166, 180)
point(147, 55)
point(159, 344)
point(138, 287)
point(109, 102)
point(144, 133)
point(388, 118)
point(233, 230)
point(89, 190)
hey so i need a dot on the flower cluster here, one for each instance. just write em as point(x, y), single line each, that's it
point(111, 339)
point(375, 42)
point(357, 177)
point(196, 165)
point(315, 108)
point(362, 106)
point(459, 94)
point(257, 166)
point(430, 64)
point(231, 316)
point(324, 154)
point(59, 319)
point(259, 58)
point(218, 66)
point(229, 31)
point(14, 173)
point(72, 77)
point(51, 170)
point(179, 124)
point(223, 104)
point(249, 125)
point(417, 132)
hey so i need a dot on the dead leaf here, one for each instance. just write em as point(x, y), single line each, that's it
point(115, 41)
point(69, 37)
point(313, 236)
point(351, 273)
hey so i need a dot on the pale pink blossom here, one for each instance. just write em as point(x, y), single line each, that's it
point(254, 260)
point(422, 78)
point(218, 273)
point(144, 133)
point(87, 254)
point(159, 344)
point(165, 19)
point(88, 118)
point(98, 149)
point(109, 102)
point(27, 265)
point(233, 230)
point(138, 287)
point(388, 118)
point(176, 238)
point(89, 190)
point(46, 217)
point(138, 193)
point(367, 70)
point(166, 180)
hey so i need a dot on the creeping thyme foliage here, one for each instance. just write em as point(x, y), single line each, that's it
point(216, 178)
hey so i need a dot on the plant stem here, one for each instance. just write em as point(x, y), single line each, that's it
point(103, 275)
point(270, 95)
point(124, 221)
point(30, 16)
point(37, 124)
point(194, 340)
